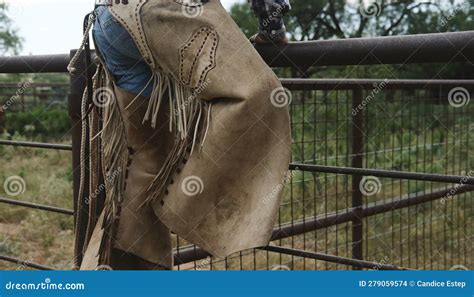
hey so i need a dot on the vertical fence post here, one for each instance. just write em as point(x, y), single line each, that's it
point(357, 140)
point(78, 83)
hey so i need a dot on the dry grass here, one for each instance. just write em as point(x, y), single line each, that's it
point(425, 240)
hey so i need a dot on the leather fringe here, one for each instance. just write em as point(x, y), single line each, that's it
point(115, 156)
point(187, 122)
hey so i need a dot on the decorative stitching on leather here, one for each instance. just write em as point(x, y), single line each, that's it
point(186, 79)
point(129, 164)
point(147, 57)
point(197, 57)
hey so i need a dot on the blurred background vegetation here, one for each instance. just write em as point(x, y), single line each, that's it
point(47, 238)
point(322, 20)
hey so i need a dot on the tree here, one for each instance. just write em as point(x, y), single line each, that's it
point(329, 19)
point(323, 19)
point(10, 42)
point(242, 15)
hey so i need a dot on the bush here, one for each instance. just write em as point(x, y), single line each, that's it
point(38, 122)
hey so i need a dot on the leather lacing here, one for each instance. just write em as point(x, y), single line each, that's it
point(176, 173)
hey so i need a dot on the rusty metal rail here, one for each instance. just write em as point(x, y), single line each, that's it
point(420, 48)
point(299, 84)
point(360, 264)
point(37, 206)
point(61, 147)
point(467, 180)
point(24, 263)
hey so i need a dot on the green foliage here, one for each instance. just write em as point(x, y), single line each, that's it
point(10, 42)
point(51, 77)
point(37, 77)
point(38, 122)
point(245, 20)
point(322, 20)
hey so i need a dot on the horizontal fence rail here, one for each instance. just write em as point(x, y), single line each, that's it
point(347, 215)
point(420, 48)
point(35, 64)
point(37, 206)
point(329, 258)
point(468, 180)
point(301, 84)
point(61, 147)
point(36, 85)
point(24, 263)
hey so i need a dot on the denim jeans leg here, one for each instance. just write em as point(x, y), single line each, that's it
point(121, 55)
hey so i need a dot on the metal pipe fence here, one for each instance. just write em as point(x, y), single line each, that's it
point(400, 195)
point(382, 175)
point(29, 95)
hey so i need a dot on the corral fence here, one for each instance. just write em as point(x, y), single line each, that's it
point(27, 95)
point(382, 174)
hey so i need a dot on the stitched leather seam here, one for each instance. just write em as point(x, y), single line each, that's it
point(181, 58)
point(143, 43)
point(208, 68)
point(181, 66)
point(213, 52)
point(193, 66)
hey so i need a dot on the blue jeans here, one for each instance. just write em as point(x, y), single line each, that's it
point(121, 55)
